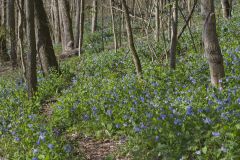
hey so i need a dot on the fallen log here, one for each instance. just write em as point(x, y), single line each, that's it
point(69, 53)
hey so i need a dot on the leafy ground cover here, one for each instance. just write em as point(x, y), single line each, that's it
point(166, 115)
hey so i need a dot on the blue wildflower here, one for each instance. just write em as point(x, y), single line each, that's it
point(142, 99)
point(177, 122)
point(85, 117)
point(17, 139)
point(189, 110)
point(162, 116)
point(207, 120)
point(216, 134)
point(143, 126)
point(137, 129)
point(50, 146)
point(109, 112)
point(42, 136)
point(118, 125)
point(238, 100)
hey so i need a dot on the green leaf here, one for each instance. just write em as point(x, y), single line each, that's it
point(204, 150)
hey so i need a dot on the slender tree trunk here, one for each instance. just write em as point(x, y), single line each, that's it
point(3, 42)
point(174, 39)
point(44, 41)
point(157, 20)
point(82, 17)
point(226, 9)
point(57, 30)
point(11, 26)
point(67, 24)
point(77, 24)
point(21, 25)
point(94, 15)
point(189, 6)
point(102, 24)
point(211, 43)
point(113, 26)
point(136, 59)
point(31, 55)
point(169, 21)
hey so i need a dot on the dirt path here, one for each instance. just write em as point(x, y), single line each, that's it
point(90, 148)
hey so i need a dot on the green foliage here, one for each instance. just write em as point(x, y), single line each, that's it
point(167, 115)
point(21, 123)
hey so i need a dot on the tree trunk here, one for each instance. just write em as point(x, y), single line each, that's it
point(174, 40)
point(44, 41)
point(136, 59)
point(113, 25)
point(77, 24)
point(57, 30)
point(211, 43)
point(67, 24)
point(31, 55)
point(82, 17)
point(226, 9)
point(11, 26)
point(157, 20)
point(3, 42)
point(94, 16)
point(21, 25)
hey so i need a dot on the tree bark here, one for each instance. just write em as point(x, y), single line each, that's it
point(57, 30)
point(226, 9)
point(94, 15)
point(136, 59)
point(174, 38)
point(77, 24)
point(31, 55)
point(44, 41)
point(67, 24)
point(157, 21)
point(3, 42)
point(211, 43)
point(82, 17)
point(11, 26)
point(113, 26)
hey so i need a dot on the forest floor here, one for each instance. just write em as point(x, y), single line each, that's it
point(97, 108)
point(88, 147)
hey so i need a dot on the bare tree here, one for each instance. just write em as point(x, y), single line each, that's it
point(31, 73)
point(211, 43)
point(136, 59)
point(94, 15)
point(174, 38)
point(82, 17)
point(12, 33)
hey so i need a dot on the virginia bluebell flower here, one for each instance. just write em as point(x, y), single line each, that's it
point(189, 110)
point(216, 134)
point(207, 120)
point(50, 146)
